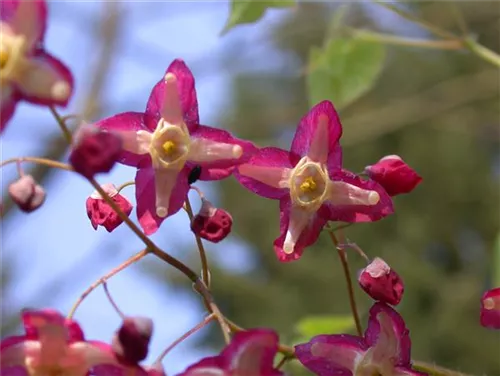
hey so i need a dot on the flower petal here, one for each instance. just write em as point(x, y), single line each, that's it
point(266, 173)
point(388, 336)
point(490, 309)
point(27, 18)
point(299, 227)
point(404, 371)
point(14, 371)
point(127, 125)
point(13, 350)
point(45, 81)
point(351, 196)
point(331, 354)
point(8, 100)
point(318, 135)
point(186, 91)
point(145, 193)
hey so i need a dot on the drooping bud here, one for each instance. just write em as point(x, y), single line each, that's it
point(381, 282)
point(131, 341)
point(394, 175)
point(26, 193)
point(95, 151)
point(99, 211)
point(156, 369)
point(211, 223)
point(490, 309)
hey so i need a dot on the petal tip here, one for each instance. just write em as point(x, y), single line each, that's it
point(161, 212)
point(373, 198)
point(61, 91)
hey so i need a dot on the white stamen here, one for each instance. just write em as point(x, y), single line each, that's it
point(237, 151)
point(60, 90)
point(161, 211)
point(373, 198)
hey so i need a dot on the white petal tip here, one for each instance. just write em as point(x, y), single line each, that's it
point(373, 198)
point(237, 151)
point(61, 90)
point(392, 156)
point(488, 304)
point(161, 212)
point(288, 248)
point(170, 78)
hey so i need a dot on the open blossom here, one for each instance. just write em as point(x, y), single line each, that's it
point(310, 183)
point(26, 70)
point(166, 142)
point(490, 309)
point(385, 349)
point(250, 353)
point(392, 173)
point(54, 345)
point(26, 193)
point(381, 282)
point(99, 211)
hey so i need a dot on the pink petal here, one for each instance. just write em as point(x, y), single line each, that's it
point(186, 91)
point(9, 99)
point(27, 18)
point(327, 355)
point(145, 194)
point(490, 309)
point(360, 213)
point(318, 135)
point(388, 336)
point(46, 81)
point(272, 163)
point(308, 235)
point(404, 371)
point(212, 366)
point(128, 122)
point(14, 371)
point(12, 354)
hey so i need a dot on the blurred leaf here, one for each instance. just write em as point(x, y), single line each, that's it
point(243, 12)
point(311, 326)
point(343, 70)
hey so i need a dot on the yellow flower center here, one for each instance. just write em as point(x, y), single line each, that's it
point(309, 185)
point(169, 148)
point(4, 56)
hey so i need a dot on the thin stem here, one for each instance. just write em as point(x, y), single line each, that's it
point(434, 370)
point(201, 248)
point(42, 161)
point(103, 279)
point(125, 185)
point(111, 300)
point(62, 125)
point(483, 52)
point(350, 289)
point(282, 361)
point(202, 324)
point(357, 248)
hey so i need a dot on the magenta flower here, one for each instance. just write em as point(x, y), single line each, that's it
point(166, 142)
point(310, 183)
point(384, 349)
point(54, 345)
point(26, 70)
point(381, 282)
point(250, 353)
point(490, 309)
point(99, 211)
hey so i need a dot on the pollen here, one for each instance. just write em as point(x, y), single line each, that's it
point(308, 185)
point(169, 147)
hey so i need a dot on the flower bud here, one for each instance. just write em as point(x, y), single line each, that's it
point(394, 175)
point(101, 214)
point(381, 282)
point(211, 223)
point(156, 369)
point(27, 195)
point(131, 341)
point(96, 151)
point(490, 309)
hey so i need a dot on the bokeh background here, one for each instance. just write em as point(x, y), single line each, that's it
point(438, 109)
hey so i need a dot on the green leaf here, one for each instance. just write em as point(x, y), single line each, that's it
point(343, 70)
point(249, 11)
point(311, 326)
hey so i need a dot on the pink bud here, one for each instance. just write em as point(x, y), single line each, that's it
point(27, 195)
point(211, 223)
point(490, 309)
point(131, 342)
point(96, 151)
point(101, 214)
point(381, 282)
point(394, 175)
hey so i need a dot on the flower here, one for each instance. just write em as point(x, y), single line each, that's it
point(490, 309)
point(392, 173)
point(310, 183)
point(381, 282)
point(27, 194)
point(131, 342)
point(26, 70)
point(95, 151)
point(250, 353)
point(167, 141)
point(384, 349)
point(54, 345)
point(99, 211)
point(211, 223)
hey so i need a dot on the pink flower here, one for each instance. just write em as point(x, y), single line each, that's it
point(166, 142)
point(384, 349)
point(392, 173)
point(250, 353)
point(26, 70)
point(490, 309)
point(101, 214)
point(54, 345)
point(310, 183)
point(131, 341)
point(27, 194)
point(211, 223)
point(381, 282)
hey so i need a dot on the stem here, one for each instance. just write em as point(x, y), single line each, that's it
point(42, 161)
point(282, 361)
point(350, 289)
point(62, 125)
point(125, 185)
point(201, 248)
point(434, 370)
point(111, 300)
point(102, 280)
point(205, 321)
point(483, 52)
